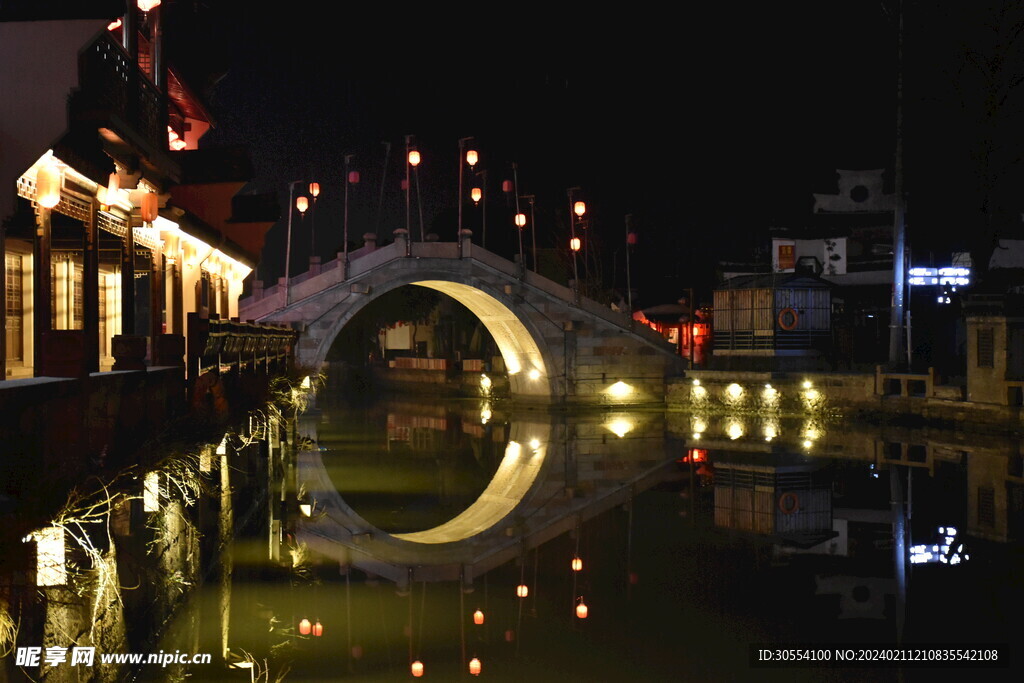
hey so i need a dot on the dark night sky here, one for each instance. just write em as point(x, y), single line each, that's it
point(707, 128)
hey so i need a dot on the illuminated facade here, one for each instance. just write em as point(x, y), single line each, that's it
point(116, 227)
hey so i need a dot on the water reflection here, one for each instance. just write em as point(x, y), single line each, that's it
point(607, 546)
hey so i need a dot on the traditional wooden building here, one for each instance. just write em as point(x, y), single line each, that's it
point(115, 226)
point(780, 315)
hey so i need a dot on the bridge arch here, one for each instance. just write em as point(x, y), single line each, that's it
point(527, 360)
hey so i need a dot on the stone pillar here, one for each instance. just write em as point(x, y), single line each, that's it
point(370, 241)
point(465, 243)
point(402, 240)
point(91, 289)
point(314, 265)
point(41, 286)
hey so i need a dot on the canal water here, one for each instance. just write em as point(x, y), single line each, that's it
point(702, 538)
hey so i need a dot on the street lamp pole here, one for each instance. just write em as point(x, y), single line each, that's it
point(520, 220)
point(533, 228)
point(408, 205)
point(344, 246)
point(470, 158)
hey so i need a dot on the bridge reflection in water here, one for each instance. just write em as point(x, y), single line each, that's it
point(698, 536)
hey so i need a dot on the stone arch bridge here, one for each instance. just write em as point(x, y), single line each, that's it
point(557, 347)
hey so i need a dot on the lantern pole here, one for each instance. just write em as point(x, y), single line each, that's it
point(408, 221)
point(462, 164)
point(572, 235)
point(312, 224)
point(533, 228)
point(629, 286)
point(288, 241)
point(483, 202)
point(344, 246)
point(519, 228)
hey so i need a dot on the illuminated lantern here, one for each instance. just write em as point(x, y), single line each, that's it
point(318, 629)
point(579, 208)
point(146, 5)
point(472, 157)
point(581, 610)
point(475, 194)
point(353, 177)
point(506, 185)
point(114, 25)
point(48, 186)
point(416, 668)
point(631, 238)
point(478, 617)
point(113, 185)
point(577, 564)
point(314, 189)
point(510, 635)
point(178, 144)
point(149, 207)
point(522, 590)
point(305, 627)
point(520, 219)
point(101, 196)
point(574, 244)
point(414, 157)
point(475, 666)
point(301, 203)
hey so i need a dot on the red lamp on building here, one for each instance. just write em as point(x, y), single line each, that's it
point(318, 629)
point(475, 667)
point(302, 204)
point(476, 194)
point(577, 564)
point(416, 668)
point(478, 617)
point(522, 590)
point(472, 157)
point(305, 627)
point(582, 610)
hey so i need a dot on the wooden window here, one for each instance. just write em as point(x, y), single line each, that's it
point(986, 348)
point(14, 331)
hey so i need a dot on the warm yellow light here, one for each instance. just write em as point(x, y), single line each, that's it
point(306, 382)
point(522, 590)
point(734, 390)
point(485, 415)
point(48, 182)
point(696, 382)
point(177, 144)
point(520, 219)
point(735, 430)
point(306, 509)
point(485, 382)
point(808, 444)
point(414, 157)
point(478, 617)
point(416, 668)
point(146, 5)
point(475, 667)
point(619, 426)
point(534, 444)
point(807, 384)
point(475, 194)
point(579, 208)
point(811, 395)
point(582, 610)
point(771, 431)
point(151, 492)
point(699, 392)
point(696, 435)
point(577, 564)
point(620, 390)
point(472, 157)
point(114, 25)
point(51, 569)
point(575, 244)
point(305, 627)
point(314, 189)
point(533, 374)
point(302, 203)
point(699, 425)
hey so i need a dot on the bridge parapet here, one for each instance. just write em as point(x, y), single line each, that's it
point(556, 346)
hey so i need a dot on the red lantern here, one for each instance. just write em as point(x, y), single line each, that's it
point(522, 590)
point(405, 184)
point(506, 185)
point(475, 194)
point(146, 5)
point(414, 157)
point(520, 220)
point(314, 189)
point(149, 207)
point(353, 177)
point(634, 578)
point(305, 627)
point(475, 666)
point(510, 635)
point(318, 629)
point(631, 238)
point(478, 617)
point(301, 203)
point(416, 668)
point(575, 244)
point(472, 157)
point(582, 610)
point(579, 208)
point(577, 564)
